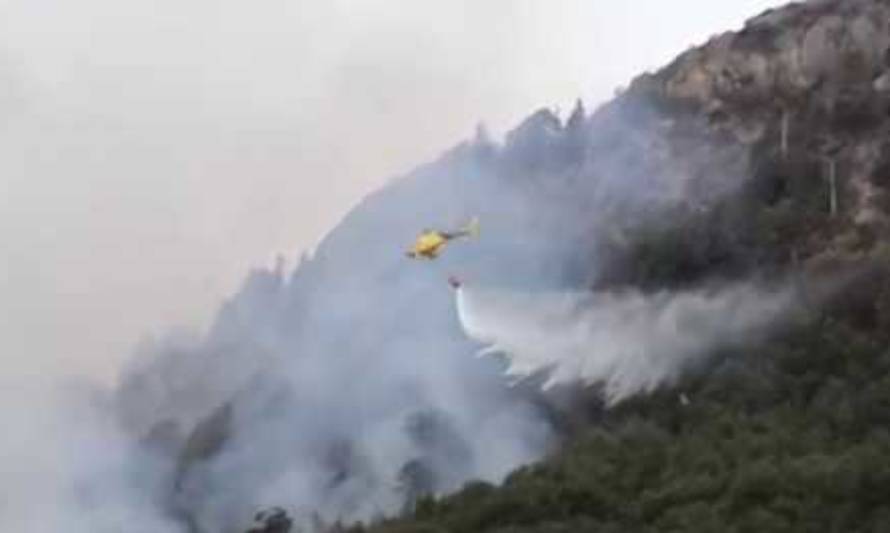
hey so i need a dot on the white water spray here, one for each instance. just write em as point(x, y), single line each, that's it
point(628, 342)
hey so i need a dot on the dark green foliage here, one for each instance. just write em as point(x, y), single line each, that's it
point(790, 436)
point(794, 437)
point(781, 215)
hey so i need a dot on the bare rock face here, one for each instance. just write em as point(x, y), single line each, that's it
point(811, 82)
point(819, 47)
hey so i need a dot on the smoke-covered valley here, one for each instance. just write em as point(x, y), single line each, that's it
point(347, 387)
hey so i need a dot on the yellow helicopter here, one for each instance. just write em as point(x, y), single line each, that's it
point(429, 243)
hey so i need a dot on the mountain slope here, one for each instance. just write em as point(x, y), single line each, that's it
point(347, 389)
point(788, 436)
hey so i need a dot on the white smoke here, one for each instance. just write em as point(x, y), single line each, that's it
point(340, 388)
point(347, 387)
point(66, 466)
point(629, 342)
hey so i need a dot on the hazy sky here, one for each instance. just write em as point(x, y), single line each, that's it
point(152, 151)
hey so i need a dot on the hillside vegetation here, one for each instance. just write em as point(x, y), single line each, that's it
point(789, 435)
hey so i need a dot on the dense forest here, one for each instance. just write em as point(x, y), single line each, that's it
point(789, 434)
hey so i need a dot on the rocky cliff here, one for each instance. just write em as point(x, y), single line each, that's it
point(809, 84)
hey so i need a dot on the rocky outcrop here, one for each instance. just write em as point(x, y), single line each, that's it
point(811, 51)
point(809, 82)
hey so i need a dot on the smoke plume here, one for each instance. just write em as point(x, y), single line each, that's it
point(346, 388)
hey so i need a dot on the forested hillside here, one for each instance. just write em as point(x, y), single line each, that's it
point(791, 434)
